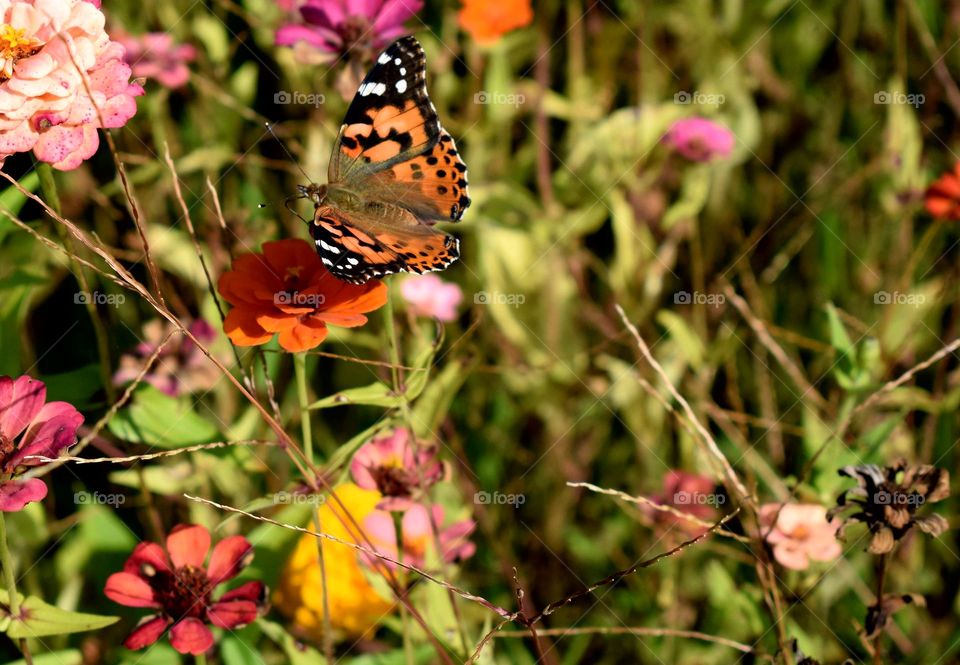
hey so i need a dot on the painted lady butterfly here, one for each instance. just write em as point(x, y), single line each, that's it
point(393, 174)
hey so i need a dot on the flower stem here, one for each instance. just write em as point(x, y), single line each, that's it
point(300, 369)
point(48, 186)
point(881, 565)
point(10, 580)
point(402, 586)
point(200, 659)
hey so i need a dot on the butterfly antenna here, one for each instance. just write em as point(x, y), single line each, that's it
point(283, 145)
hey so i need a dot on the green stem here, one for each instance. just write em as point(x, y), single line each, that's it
point(48, 186)
point(200, 659)
point(6, 560)
point(300, 369)
point(402, 585)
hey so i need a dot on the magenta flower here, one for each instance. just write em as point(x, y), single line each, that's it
point(418, 537)
point(428, 295)
point(155, 56)
point(349, 27)
point(61, 78)
point(398, 468)
point(689, 493)
point(175, 582)
point(802, 533)
point(699, 139)
point(46, 429)
point(180, 368)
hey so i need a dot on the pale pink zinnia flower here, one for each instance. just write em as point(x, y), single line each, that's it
point(689, 493)
point(699, 139)
point(428, 295)
point(181, 366)
point(397, 468)
point(802, 533)
point(156, 56)
point(348, 28)
point(61, 78)
point(46, 429)
point(418, 536)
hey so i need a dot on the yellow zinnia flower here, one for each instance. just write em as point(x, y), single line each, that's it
point(355, 607)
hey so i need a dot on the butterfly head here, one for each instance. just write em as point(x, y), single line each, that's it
point(314, 192)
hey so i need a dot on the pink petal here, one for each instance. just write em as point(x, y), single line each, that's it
point(146, 633)
point(232, 614)
point(16, 494)
point(395, 12)
point(20, 400)
point(146, 557)
point(255, 592)
point(52, 430)
point(188, 545)
point(130, 590)
point(230, 556)
point(191, 636)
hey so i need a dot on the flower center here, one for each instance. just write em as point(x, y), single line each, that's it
point(391, 480)
point(801, 532)
point(14, 44)
point(7, 447)
point(183, 593)
point(356, 33)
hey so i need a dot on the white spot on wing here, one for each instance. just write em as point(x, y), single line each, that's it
point(380, 88)
point(402, 85)
point(383, 59)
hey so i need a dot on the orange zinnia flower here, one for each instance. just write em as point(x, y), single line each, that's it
point(942, 198)
point(488, 21)
point(287, 290)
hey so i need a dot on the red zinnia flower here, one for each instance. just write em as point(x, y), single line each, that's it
point(942, 198)
point(175, 582)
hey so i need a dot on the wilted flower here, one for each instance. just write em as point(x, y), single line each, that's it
point(397, 467)
point(486, 22)
point(418, 536)
point(61, 78)
point(888, 506)
point(174, 581)
point(801, 533)
point(180, 368)
point(942, 198)
point(428, 295)
point(689, 493)
point(46, 429)
point(287, 290)
point(355, 606)
point(354, 29)
point(156, 56)
point(699, 139)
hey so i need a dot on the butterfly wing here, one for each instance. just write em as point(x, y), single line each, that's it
point(404, 174)
point(356, 255)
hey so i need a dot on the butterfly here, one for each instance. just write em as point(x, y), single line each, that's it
point(394, 173)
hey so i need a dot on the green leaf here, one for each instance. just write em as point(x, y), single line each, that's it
point(67, 657)
point(297, 653)
point(39, 619)
point(159, 420)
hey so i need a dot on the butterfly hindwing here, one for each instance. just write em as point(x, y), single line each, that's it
point(390, 119)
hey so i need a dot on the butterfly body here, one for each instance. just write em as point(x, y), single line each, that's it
point(395, 172)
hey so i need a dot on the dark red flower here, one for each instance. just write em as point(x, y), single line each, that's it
point(942, 198)
point(174, 581)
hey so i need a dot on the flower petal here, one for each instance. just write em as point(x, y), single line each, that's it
point(16, 494)
point(191, 636)
point(146, 556)
point(255, 592)
point(130, 590)
point(147, 632)
point(188, 545)
point(20, 400)
point(232, 614)
point(230, 556)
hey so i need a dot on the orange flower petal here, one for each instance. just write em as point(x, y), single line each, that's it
point(302, 338)
point(242, 328)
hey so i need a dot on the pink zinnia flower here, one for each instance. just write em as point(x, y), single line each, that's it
point(47, 430)
point(802, 533)
point(61, 78)
point(174, 581)
point(398, 468)
point(418, 536)
point(155, 56)
point(180, 368)
point(349, 27)
point(699, 139)
point(428, 295)
point(689, 493)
